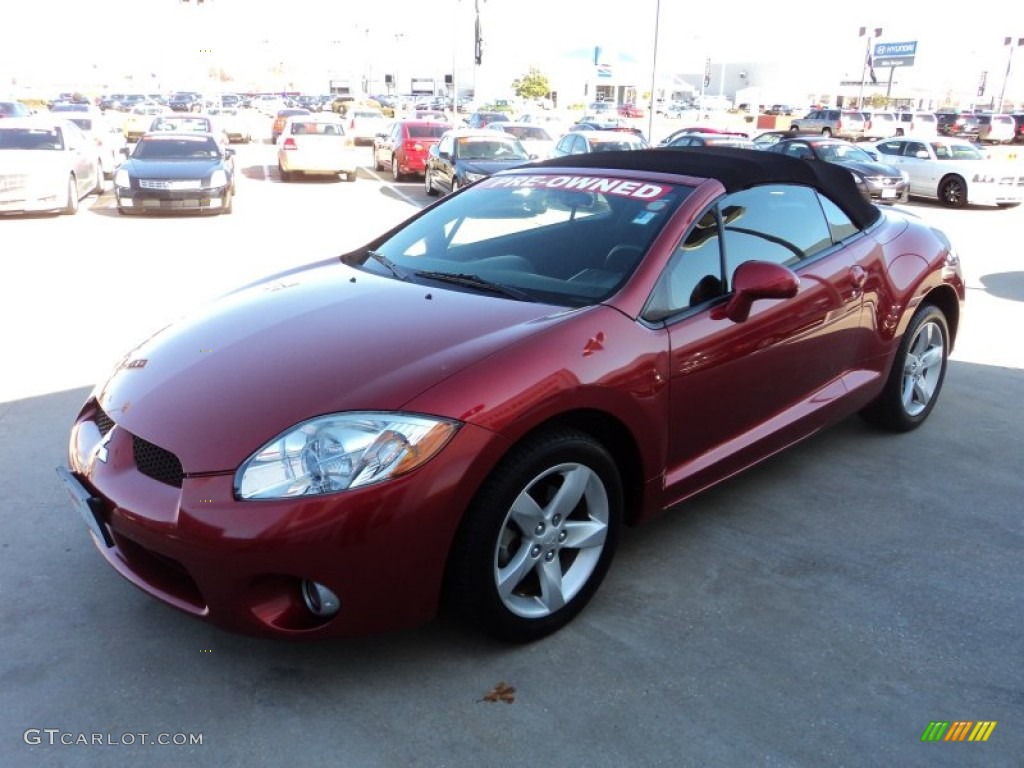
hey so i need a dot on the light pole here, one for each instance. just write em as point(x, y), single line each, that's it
point(866, 31)
point(1009, 41)
point(654, 72)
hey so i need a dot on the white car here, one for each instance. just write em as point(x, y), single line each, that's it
point(996, 129)
point(46, 164)
point(108, 138)
point(364, 123)
point(953, 171)
point(917, 123)
point(880, 125)
point(535, 138)
point(316, 143)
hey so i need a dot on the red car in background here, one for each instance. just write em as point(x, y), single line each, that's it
point(468, 409)
point(630, 110)
point(403, 147)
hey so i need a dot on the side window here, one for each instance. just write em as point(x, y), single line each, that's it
point(911, 148)
point(777, 222)
point(446, 144)
point(839, 223)
point(693, 274)
point(890, 147)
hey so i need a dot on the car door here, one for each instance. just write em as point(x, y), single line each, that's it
point(83, 162)
point(740, 390)
point(924, 172)
point(444, 169)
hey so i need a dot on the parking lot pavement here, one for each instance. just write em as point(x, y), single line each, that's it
point(822, 609)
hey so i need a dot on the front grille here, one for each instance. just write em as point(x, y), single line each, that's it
point(157, 463)
point(103, 421)
point(13, 181)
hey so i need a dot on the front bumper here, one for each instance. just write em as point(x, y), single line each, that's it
point(241, 564)
point(22, 193)
point(887, 190)
point(201, 200)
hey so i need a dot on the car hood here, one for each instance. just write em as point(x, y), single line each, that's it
point(868, 169)
point(172, 169)
point(218, 385)
point(32, 160)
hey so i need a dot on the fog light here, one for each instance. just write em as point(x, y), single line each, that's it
point(319, 599)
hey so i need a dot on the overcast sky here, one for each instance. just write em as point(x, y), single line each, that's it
point(72, 34)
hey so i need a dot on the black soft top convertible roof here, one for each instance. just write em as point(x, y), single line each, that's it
point(736, 169)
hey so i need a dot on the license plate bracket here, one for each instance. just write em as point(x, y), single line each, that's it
point(88, 506)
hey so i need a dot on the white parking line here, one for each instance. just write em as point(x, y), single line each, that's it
point(411, 200)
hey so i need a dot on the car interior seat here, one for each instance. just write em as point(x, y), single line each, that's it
point(623, 258)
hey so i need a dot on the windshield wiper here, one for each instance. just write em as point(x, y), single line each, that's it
point(474, 281)
point(396, 270)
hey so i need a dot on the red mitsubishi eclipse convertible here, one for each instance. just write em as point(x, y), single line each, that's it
point(467, 410)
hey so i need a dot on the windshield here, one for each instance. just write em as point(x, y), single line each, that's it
point(200, 124)
point(843, 153)
point(183, 148)
point(527, 132)
point(952, 150)
point(559, 239)
point(31, 138)
point(482, 148)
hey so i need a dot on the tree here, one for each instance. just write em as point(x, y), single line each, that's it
point(532, 85)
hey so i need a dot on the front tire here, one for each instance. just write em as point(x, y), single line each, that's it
point(538, 539)
point(917, 374)
point(71, 204)
point(953, 192)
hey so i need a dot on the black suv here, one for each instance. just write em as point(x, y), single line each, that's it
point(186, 101)
point(961, 124)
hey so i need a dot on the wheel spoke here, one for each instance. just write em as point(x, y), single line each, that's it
point(551, 594)
point(582, 535)
point(526, 513)
point(512, 575)
point(572, 490)
point(923, 389)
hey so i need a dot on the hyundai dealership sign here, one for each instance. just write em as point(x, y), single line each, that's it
point(894, 54)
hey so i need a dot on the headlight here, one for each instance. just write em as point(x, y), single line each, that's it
point(219, 178)
point(471, 177)
point(121, 178)
point(341, 451)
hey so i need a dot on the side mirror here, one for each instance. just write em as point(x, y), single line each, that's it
point(921, 153)
point(229, 151)
point(125, 151)
point(872, 154)
point(755, 280)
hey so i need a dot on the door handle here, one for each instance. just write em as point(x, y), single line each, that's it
point(858, 276)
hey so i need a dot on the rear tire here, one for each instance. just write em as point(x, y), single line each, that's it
point(396, 172)
point(918, 371)
point(428, 185)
